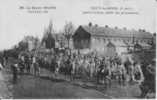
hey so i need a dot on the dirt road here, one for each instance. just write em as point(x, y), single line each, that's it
point(5, 87)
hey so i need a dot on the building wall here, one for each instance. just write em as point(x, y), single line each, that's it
point(121, 50)
point(33, 45)
point(99, 43)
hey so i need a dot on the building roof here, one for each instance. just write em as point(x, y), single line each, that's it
point(115, 32)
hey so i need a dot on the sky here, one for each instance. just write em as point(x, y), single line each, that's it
point(16, 23)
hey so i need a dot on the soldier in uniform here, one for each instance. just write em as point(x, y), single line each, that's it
point(14, 68)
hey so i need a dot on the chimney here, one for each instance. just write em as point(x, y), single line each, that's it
point(90, 24)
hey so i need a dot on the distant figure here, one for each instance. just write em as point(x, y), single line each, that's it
point(1, 66)
point(27, 64)
point(137, 73)
point(36, 68)
point(121, 74)
point(14, 71)
point(103, 73)
point(73, 67)
point(129, 69)
point(92, 66)
point(4, 62)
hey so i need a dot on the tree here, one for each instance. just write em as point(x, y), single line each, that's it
point(68, 31)
point(48, 38)
point(22, 46)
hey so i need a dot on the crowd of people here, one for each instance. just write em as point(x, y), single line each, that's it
point(89, 66)
point(104, 70)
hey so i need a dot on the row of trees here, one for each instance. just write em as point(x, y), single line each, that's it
point(48, 37)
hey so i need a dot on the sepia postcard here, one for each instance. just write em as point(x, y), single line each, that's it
point(78, 49)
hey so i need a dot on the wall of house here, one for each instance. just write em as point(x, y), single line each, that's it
point(100, 44)
point(120, 50)
point(81, 39)
point(33, 44)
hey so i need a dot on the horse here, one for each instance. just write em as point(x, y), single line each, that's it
point(103, 74)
